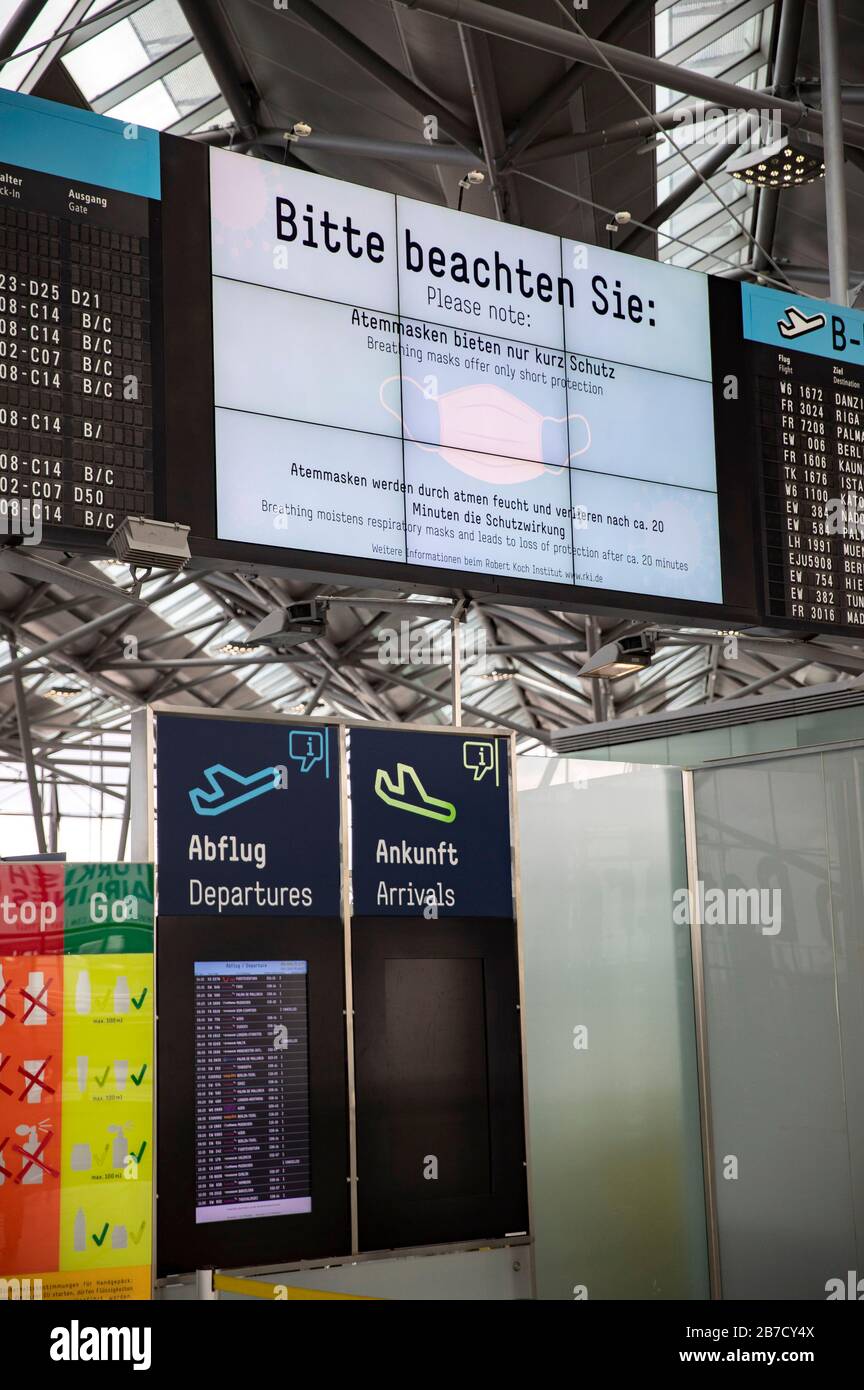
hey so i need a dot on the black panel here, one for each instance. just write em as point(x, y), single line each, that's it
point(438, 1077)
point(182, 1244)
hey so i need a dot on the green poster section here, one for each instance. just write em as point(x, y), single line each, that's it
point(108, 909)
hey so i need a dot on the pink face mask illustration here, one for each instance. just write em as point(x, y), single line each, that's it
point(482, 429)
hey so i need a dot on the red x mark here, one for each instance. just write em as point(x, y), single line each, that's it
point(3, 1009)
point(7, 1172)
point(33, 1159)
point(5, 1089)
point(35, 1080)
point(37, 1002)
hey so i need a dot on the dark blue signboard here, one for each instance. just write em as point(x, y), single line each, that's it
point(247, 818)
point(430, 817)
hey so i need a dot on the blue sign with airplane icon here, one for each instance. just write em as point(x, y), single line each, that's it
point(247, 818)
point(795, 323)
point(430, 824)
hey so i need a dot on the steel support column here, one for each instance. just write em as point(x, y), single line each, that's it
point(782, 80)
point(27, 755)
point(835, 183)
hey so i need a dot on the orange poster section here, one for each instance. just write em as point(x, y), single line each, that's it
point(31, 1054)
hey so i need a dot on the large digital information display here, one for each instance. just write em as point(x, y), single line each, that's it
point(399, 382)
point(78, 195)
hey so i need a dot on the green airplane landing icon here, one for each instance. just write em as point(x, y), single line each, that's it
point(413, 797)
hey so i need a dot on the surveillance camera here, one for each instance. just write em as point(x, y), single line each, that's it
point(291, 626)
point(622, 658)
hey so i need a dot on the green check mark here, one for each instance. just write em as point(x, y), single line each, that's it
point(140, 1000)
point(136, 1238)
point(99, 1239)
point(140, 1154)
point(136, 1080)
point(101, 1158)
point(100, 1080)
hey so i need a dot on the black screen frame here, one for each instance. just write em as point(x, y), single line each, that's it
point(190, 462)
point(182, 1244)
point(388, 1220)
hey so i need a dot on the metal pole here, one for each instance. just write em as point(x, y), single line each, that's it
point(27, 752)
point(832, 125)
point(23, 19)
point(204, 1288)
point(705, 1117)
point(456, 662)
point(782, 82)
point(142, 762)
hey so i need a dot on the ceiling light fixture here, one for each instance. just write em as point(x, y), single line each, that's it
point(784, 164)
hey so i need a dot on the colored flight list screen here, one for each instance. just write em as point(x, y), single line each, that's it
point(78, 205)
point(251, 1090)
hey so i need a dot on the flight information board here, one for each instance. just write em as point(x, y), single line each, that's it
point(251, 1090)
point(323, 378)
point(808, 372)
point(77, 310)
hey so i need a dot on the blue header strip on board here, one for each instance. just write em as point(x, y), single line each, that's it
point(798, 324)
point(78, 145)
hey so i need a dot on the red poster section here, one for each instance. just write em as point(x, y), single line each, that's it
point(31, 1046)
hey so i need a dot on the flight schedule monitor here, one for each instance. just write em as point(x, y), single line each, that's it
point(324, 378)
point(251, 1090)
point(78, 314)
point(808, 376)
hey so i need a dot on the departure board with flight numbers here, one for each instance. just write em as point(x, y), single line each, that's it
point(806, 360)
point(78, 323)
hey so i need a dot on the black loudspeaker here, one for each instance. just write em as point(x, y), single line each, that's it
point(438, 1064)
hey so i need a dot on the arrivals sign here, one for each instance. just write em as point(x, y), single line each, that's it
point(76, 1080)
point(248, 818)
point(430, 816)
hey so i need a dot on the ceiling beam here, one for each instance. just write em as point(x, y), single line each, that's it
point(377, 67)
point(563, 91)
point(637, 66)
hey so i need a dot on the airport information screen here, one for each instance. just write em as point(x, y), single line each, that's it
point(320, 377)
point(251, 1090)
point(400, 382)
point(77, 410)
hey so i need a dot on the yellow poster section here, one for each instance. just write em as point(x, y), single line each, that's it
point(107, 1129)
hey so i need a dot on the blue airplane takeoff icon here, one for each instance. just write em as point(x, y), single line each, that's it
point(219, 798)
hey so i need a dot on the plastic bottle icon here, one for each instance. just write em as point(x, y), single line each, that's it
point(79, 1231)
point(82, 1066)
point(120, 1146)
point(82, 993)
point(121, 1072)
point(37, 1016)
point(121, 995)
